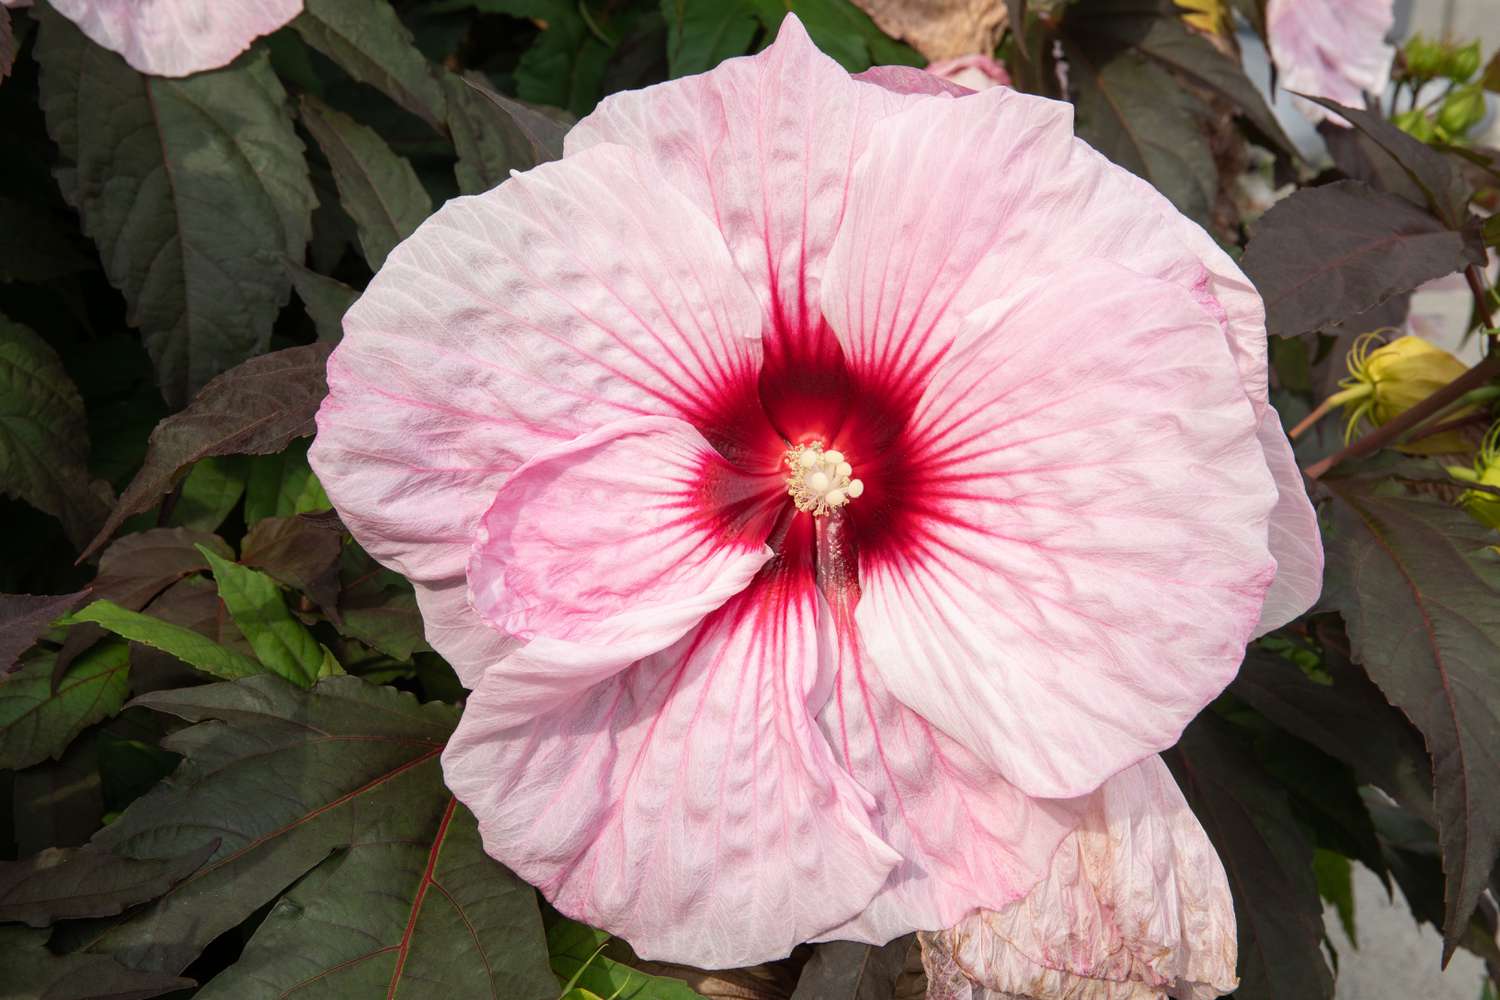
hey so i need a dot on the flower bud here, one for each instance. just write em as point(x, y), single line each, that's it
point(1388, 380)
point(1424, 59)
point(1482, 505)
point(1463, 63)
point(1416, 124)
point(1461, 110)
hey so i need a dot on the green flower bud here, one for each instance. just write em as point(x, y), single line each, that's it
point(1416, 124)
point(1424, 59)
point(1463, 63)
point(1481, 504)
point(1461, 110)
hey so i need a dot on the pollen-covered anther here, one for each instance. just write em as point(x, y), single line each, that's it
point(820, 480)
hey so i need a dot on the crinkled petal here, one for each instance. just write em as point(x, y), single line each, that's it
point(1331, 48)
point(581, 292)
point(1136, 906)
point(1079, 572)
point(609, 548)
point(967, 837)
point(1294, 538)
point(177, 37)
point(687, 804)
point(955, 201)
point(764, 145)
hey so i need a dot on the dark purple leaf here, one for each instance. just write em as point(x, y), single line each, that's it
point(1419, 589)
point(32, 970)
point(301, 552)
point(846, 970)
point(67, 883)
point(1329, 252)
point(254, 409)
point(1267, 858)
point(24, 618)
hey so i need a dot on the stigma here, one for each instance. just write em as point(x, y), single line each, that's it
point(820, 480)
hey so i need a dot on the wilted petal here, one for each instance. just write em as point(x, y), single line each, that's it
point(1294, 538)
point(609, 548)
point(582, 292)
point(177, 37)
point(1331, 48)
point(687, 804)
point(1077, 576)
point(973, 72)
point(1135, 906)
point(910, 80)
point(764, 145)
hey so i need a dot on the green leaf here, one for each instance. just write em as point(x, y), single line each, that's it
point(326, 299)
point(283, 485)
point(194, 189)
point(378, 189)
point(564, 67)
point(412, 906)
point(254, 601)
point(44, 442)
point(285, 776)
point(1267, 858)
point(368, 40)
point(1327, 253)
point(577, 958)
point(37, 723)
point(187, 645)
point(1335, 875)
point(494, 135)
point(33, 971)
point(256, 409)
point(25, 618)
point(63, 883)
point(1155, 28)
point(1134, 112)
point(209, 492)
point(840, 29)
point(703, 33)
point(1419, 588)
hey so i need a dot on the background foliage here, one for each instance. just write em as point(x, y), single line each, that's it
point(220, 724)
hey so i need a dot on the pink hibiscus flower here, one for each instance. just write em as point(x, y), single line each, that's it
point(1331, 48)
point(177, 37)
point(819, 482)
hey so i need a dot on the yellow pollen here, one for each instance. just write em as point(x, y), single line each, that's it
point(820, 480)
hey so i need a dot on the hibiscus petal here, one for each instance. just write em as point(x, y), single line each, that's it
point(581, 292)
point(764, 145)
point(955, 201)
point(967, 837)
point(609, 548)
point(177, 37)
point(687, 804)
point(1080, 572)
point(910, 80)
point(1334, 50)
point(1294, 538)
point(1135, 906)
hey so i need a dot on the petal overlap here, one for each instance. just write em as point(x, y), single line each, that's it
point(688, 803)
point(609, 548)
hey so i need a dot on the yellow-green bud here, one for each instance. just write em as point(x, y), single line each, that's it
point(1462, 63)
point(1461, 110)
point(1424, 59)
point(1416, 124)
point(1482, 505)
point(1388, 380)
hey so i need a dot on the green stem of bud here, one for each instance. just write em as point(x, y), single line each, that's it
point(1326, 407)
